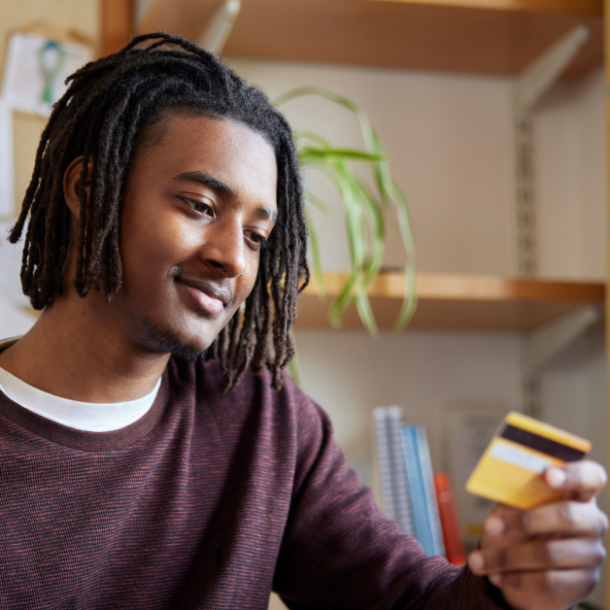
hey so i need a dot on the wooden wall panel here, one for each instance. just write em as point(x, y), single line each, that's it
point(117, 24)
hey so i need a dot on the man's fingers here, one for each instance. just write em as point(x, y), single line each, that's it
point(551, 554)
point(558, 584)
point(562, 518)
point(569, 553)
point(566, 518)
point(577, 480)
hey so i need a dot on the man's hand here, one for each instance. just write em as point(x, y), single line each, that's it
point(547, 558)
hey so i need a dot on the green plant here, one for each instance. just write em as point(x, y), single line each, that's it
point(364, 212)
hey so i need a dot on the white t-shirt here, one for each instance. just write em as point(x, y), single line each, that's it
point(89, 416)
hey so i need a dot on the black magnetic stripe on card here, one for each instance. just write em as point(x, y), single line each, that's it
point(541, 443)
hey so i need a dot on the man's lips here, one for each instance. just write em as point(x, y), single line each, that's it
point(209, 296)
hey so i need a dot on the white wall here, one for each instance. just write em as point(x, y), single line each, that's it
point(571, 169)
point(451, 144)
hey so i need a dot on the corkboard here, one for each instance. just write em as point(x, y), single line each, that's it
point(82, 16)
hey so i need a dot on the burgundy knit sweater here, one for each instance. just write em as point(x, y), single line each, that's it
point(210, 500)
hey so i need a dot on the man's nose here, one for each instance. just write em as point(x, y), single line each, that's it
point(224, 250)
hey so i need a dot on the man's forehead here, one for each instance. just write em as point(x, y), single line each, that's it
point(226, 150)
point(153, 132)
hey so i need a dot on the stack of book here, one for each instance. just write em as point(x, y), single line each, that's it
point(406, 482)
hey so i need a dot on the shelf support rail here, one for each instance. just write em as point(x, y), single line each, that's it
point(540, 346)
point(212, 38)
point(528, 88)
point(215, 35)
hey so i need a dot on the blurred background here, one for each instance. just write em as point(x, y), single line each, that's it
point(492, 115)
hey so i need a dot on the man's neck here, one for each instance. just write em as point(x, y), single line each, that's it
point(76, 351)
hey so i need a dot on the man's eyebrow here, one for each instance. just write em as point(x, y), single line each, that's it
point(266, 213)
point(202, 178)
point(221, 188)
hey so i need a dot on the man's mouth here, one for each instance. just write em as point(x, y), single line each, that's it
point(208, 296)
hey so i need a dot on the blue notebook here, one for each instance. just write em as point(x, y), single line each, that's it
point(426, 524)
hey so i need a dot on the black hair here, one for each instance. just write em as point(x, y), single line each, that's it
point(103, 116)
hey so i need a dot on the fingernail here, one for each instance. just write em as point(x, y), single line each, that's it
point(495, 579)
point(494, 526)
point(555, 477)
point(476, 562)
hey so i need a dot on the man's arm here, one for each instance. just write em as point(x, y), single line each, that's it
point(547, 558)
point(339, 551)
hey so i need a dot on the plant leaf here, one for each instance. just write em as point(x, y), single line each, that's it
point(308, 153)
point(316, 202)
point(315, 254)
point(363, 211)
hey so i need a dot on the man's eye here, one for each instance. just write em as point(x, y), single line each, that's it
point(256, 238)
point(198, 206)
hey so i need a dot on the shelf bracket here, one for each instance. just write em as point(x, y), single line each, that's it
point(146, 14)
point(215, 35)
point(528, 88)
point(540, 75)
point(540, 346)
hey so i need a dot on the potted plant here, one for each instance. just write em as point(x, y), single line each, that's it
point(364, 211)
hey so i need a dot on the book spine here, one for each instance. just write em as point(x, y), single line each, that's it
point(452, 533)
point(402, 500)
point(415, 483)
point(382, 450)
point(430, 493)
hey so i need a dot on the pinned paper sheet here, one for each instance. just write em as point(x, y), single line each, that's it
point(16, 314)
point(36, 68)
point(10, 266)
point(7, 176)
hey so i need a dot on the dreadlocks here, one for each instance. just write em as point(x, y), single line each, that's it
point(109, 105)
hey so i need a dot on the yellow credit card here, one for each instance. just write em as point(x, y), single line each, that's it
point(512, 468)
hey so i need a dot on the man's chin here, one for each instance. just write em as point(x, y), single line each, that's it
point(168, 341)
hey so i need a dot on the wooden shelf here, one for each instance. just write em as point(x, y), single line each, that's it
point(498, 37)
point(458, 302)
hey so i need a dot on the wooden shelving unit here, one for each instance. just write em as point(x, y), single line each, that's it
point(443, 35)
point(116, 22)
point(458, 302)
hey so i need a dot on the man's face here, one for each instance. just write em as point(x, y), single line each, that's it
point(197, 208)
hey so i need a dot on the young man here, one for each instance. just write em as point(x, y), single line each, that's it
point(153, 454)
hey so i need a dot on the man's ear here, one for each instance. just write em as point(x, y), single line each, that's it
point(72, 185)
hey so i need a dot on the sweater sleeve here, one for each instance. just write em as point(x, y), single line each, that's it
point(339, 551)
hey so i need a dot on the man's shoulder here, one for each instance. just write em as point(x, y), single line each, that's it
point(205, 381)
point(208, 380)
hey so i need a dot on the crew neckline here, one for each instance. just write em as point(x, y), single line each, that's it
point(89, 416)
point(85, 440)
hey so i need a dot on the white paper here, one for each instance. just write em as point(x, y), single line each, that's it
point(15, 320)
point(7, 174)
point(24, 80)
point(10, 267)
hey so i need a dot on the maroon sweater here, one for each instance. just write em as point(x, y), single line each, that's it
point(210, 500)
